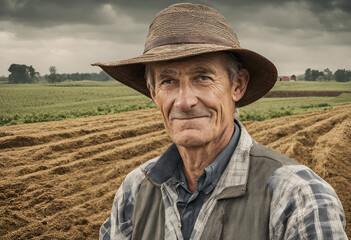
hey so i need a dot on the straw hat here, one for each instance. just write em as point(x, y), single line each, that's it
point(184, 30)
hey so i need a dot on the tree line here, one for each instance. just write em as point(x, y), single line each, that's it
point(21, 73)
point(340, 75)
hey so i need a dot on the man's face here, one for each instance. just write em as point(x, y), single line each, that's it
point(195, 97)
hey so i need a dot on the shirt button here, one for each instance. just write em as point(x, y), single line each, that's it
point(182, 183)
point(179, 225)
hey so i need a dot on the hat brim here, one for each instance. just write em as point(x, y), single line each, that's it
point(263, 73)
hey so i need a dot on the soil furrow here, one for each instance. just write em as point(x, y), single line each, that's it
point(58, 179)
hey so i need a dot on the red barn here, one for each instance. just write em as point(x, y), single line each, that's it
point(285, 79)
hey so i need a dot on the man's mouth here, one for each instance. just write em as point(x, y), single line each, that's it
point(192, 114)
point(187, 118)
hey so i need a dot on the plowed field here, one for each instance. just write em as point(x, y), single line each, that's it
point(58, 179)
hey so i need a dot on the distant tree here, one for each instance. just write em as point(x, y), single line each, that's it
point(85, 76)
point(328, 75)
point(52, 70)
point(342, 75)
point(75, 77)
point(103, 76)
point(308, 74)
point(65, 77)
point(3, 79)
point(94, 76)
point(348, 75)
point(320, 78)
point(21, 73)
point(300, 77)
point(53, 76)
point(316, 75)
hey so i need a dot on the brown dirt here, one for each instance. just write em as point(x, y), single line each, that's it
point(58, 179)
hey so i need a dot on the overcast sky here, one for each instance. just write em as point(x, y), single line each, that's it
point(72, 34)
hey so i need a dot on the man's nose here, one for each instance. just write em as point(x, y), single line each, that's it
point(186, 97)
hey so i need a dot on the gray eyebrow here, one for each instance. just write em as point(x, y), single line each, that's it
point(167, 73)
point(202, 70)
point(198, 70)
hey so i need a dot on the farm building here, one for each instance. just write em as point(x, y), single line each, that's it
point(284, 79)
point(287, 79)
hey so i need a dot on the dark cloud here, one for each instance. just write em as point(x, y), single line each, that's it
point(71, 34)
point(52, 12)
point(332, 15)
point(327, 5)
point(313, 5)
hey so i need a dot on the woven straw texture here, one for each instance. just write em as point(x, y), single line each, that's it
point(184, 30)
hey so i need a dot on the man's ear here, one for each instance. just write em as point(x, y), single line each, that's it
point(240, 85)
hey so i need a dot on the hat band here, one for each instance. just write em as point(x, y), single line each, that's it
point(185, 39)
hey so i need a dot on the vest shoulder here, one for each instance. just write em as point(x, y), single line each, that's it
point(259, 151)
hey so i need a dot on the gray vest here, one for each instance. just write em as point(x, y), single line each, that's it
point(240, 213)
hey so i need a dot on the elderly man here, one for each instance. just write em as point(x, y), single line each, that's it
point(215, 181)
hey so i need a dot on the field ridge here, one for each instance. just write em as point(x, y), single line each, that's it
point(58, 179)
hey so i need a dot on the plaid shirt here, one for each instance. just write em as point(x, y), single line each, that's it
point(303, 205)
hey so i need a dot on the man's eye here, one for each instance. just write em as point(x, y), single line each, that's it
point(169, 81)
point(205, 78)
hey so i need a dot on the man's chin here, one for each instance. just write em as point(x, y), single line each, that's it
point(190, 138)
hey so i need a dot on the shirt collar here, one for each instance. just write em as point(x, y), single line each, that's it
point(234, 178)
point(168, 165)
point(216, 168)
point(164, 168)
point(208, 180)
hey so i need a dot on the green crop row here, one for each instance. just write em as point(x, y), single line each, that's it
point(28, 103)
point(267, 108)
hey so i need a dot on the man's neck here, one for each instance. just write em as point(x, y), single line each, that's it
point(196, 159)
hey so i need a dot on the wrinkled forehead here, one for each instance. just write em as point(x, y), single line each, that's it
point(212, 61)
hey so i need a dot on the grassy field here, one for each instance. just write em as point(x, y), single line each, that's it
point(27, 103)
point(312, 86)
point(267, 108)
